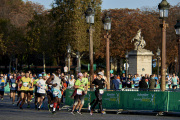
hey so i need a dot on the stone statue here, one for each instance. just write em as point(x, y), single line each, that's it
point(140, 42)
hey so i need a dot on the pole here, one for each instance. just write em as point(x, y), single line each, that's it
point(163, 63)
point(179, 54)
point(91, 55)
point(69, 66)
point(107, 59)
point(44, 63)
point(79, 64)
point(158, 68)
point(126, 70)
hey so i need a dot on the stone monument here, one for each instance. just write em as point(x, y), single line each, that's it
point(140, 59)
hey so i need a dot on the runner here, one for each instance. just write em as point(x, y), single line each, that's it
point(50, 97)
point(41, 91)
point(79, 94)
point(99, 84)
point(3, 83)
point(85, 81)
point(30, 92)
point(26, 82)
point(63, 90)
point(19, 86)
point(13, 87)
point(174, 81)
point(169, 81)
point(56, 84)
point(39, 77)
point(136, 81)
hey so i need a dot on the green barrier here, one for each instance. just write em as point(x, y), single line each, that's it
point(174, 101)
point(134, 100)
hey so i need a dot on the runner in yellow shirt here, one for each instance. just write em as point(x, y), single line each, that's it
point(26, 83)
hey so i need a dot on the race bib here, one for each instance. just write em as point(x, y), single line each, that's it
point(13, 85)
point(55, 93)
point(101, 91)
point(128, 82)
point(79, 92)
point(25, 84)
point(137, 82)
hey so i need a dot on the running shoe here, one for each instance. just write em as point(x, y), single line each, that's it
point(53, 112)
point(73, 112)
point(2, 99)
point(21, 108)
point(79, 112)
point(91, 112)
point(103, 112)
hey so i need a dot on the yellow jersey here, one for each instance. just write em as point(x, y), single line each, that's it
point(25, 83)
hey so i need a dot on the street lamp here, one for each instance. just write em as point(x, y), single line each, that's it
point(90, 20)
point(69, 57)
point(177, 28)
point(158, 57)
point(126, 56)
point(163, 12)
point(107, 27)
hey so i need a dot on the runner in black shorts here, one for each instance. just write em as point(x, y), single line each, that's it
point(13, 87)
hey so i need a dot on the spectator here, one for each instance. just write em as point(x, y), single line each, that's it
point(115, 83)
point(152, 83)
point(143, 85)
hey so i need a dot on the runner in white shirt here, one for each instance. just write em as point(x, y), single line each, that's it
point(56, 85)
point(41, 90)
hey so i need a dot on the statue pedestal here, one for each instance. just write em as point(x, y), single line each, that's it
point(140, 62)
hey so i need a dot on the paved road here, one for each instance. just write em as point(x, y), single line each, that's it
point(10, 112)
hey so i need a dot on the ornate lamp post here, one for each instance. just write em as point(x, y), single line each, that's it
point(107, 27)
point(163, 11)
point(177, 28)
point(69, 59)
point(126, 56)
point(158, 57)
point(90, 20)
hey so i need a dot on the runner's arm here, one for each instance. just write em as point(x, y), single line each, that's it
point(49, 81)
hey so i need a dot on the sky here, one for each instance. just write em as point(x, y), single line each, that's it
point(112, 4)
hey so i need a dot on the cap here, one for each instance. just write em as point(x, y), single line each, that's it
point(100, 73)
point(40, 75)
point(72, 75)
point(80, 74)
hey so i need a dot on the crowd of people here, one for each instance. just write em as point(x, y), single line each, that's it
point(53, 86)
point(143, 82)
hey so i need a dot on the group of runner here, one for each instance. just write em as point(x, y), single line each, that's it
point(27, 85)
